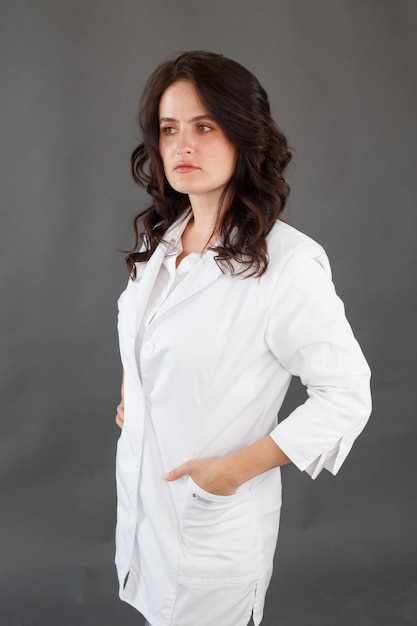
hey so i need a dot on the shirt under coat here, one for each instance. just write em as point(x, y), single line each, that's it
point(208, 377)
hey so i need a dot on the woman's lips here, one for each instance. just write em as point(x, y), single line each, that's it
point(184, 168)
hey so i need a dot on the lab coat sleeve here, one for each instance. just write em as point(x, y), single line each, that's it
point(309, 334)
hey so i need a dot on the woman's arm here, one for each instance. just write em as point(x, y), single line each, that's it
point(223, 476)
point(308, 333)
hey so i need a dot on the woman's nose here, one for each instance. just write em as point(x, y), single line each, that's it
point(185, 143)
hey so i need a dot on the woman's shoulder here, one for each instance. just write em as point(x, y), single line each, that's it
point(285, 237)
point(286, 245)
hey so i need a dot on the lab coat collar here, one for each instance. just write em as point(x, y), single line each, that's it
point(206, 272)
point(201, 275)
point(174, 233)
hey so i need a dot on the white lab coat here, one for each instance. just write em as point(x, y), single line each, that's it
point(215, 364)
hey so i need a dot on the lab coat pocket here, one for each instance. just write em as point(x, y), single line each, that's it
point(219, 536)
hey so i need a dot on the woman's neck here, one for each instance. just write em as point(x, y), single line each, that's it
point(198, 236)
point(206, 212)
point(200, 232)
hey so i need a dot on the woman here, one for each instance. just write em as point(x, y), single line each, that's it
point(224, 304)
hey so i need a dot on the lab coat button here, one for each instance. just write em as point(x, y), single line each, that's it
point(148, 348)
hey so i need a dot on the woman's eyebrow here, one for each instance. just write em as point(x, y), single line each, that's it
point(198, 118)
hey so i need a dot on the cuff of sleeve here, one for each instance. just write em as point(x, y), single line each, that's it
point(330, 460)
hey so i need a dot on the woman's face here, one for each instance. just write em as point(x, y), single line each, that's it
point(198, 158)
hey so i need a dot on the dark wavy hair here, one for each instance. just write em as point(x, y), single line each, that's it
point(257, 191)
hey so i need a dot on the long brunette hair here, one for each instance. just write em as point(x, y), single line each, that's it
point(257, 191)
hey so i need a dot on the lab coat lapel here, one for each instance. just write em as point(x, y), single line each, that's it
point(148, 272)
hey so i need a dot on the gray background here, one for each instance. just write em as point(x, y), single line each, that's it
point(342, 81)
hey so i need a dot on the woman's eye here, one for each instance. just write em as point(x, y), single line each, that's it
point(168, 130)
point(204, 128)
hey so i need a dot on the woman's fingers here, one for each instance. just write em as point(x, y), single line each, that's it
point(120, 415)
point(183, 470)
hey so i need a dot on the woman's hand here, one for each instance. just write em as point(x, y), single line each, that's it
point(120, 410)
point(223, 476)
point(212, 475)
point(120, 415)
